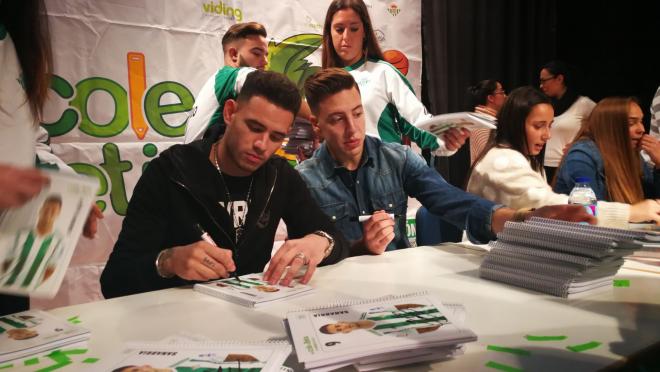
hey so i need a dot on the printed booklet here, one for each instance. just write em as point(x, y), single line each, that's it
point(235, 356)
point(34, 331)
point(251, 290)
point(439, 124)
point(378, 331)
point(37, 239)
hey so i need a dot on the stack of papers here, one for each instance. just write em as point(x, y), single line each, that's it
point(439, 124)
point(251, 290)
point(378, 333)
point(32, 332)
point(560, 258)
point(185, 353)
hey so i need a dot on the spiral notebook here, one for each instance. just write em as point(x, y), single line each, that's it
point(559, 258)
point(266, 356)
point(439, 124)
point(251, 290)
point(381, 330)
point(34, 331)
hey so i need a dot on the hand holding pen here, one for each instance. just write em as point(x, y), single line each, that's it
point(207, 238)
point(378, 232)
point(200, 261)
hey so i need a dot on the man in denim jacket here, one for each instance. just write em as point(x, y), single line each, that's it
point(353, 175)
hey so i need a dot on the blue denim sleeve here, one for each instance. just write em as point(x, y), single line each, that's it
point(462, 209)
point(579, 163)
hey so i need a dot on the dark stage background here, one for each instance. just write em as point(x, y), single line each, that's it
point(611, 43)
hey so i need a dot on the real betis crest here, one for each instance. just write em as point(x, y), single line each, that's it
point(393, 9)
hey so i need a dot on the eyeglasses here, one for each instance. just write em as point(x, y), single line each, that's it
point(499, 91)
point(544, 80)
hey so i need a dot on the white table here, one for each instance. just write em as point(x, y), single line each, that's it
point(624, 320)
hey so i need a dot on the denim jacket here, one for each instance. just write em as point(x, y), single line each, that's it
point(584, 160)
point(389, 174)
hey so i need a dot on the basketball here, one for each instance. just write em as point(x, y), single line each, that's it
point(397, 59)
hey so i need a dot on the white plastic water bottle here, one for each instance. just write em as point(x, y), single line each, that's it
point(582, 194)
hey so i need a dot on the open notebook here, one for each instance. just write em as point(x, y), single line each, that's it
point(439, 124)
point(251, 290)
point(37, 239)
point(34, 331)
point(379, 332)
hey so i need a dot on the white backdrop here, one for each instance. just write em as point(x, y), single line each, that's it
point(127, 72)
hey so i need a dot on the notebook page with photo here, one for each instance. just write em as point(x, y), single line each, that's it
point(201, 356)
point(38, 239)
point(348, 331)
point(251, 290)
point(35, 331)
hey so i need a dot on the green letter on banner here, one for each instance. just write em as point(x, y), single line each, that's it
point(69, 117)
point(154, 111)
point(119, 122)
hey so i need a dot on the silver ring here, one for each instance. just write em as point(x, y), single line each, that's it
point(302, 257)
point(207, 262)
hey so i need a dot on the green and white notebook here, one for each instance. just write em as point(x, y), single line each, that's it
point(439, 124)
point(31, 332)
point(377, 332)
point(234, 356)
point(251, 290)
point(37, 239)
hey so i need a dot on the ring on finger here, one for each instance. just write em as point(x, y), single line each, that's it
point(302, 256)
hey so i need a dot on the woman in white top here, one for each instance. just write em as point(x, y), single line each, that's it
point(389, 102)
point(557, 81)
point(510, 170)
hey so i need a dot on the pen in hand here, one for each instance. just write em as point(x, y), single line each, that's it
point(207, 238)
point(366, 217)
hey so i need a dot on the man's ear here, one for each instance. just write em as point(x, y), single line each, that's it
point(233, 54)
point(490, 98)
point(228, 111)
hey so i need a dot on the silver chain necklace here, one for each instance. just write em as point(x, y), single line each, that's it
point(238, 230)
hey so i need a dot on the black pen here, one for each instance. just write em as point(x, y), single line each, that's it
point(366, 217)
point(207, 238)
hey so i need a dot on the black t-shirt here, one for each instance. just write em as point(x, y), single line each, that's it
point(241, 191)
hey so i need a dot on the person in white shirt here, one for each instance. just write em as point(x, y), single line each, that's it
point(391, 107)
point(557, 81)
point(511, 171)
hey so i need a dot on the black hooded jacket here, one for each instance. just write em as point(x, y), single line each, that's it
point(181, 188)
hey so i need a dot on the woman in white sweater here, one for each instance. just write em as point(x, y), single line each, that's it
point(510, 170)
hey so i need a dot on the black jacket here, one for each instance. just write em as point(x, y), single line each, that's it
point(182, 188)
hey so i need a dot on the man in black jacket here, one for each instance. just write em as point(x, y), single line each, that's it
point(204, 210)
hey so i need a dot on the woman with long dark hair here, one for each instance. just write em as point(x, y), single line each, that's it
point(510, 169)
point(389, 102)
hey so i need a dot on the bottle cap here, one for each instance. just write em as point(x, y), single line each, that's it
point(582, 180)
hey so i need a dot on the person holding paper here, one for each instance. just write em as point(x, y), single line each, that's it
point(353, 174)
point(390, 104)
point(35, 252)
point(511, 171)
point(233, 189)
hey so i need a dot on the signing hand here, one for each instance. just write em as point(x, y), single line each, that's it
point(199, 261)
point(378, 232)
point(295, 253)
point(455, 138)
point(18, 185)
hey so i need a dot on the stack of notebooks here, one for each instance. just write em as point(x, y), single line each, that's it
point(251, 290)
point(32, 332)
point(378, 333)
point(561, 258)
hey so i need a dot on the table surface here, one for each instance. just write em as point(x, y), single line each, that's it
point(624, 319)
